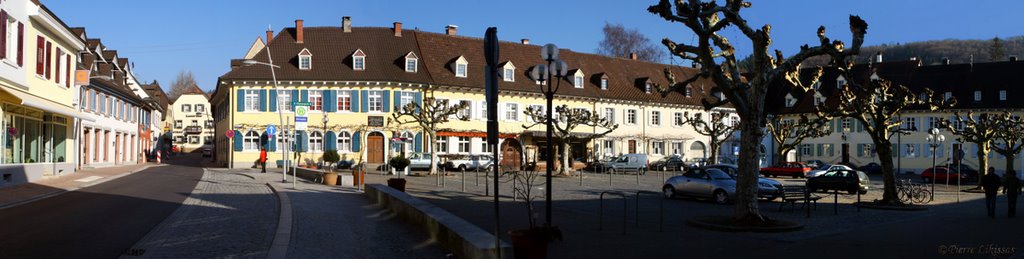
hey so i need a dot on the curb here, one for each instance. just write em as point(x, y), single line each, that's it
point(279, 247)
point(894, 208)
point(700, 223)
point(57, 193)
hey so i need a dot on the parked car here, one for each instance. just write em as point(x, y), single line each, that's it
point(814, 163)
point(628, 162)
point(599, 164)
point(696, 162)
point(794, 169)
point(942, 173)
point(468, 163)
point(207, 152)
point(871, 168)
point(711, 182)
point(825, 168)
point(674, 163)
point(766, 188)
point(841, 180)
point(420, 161)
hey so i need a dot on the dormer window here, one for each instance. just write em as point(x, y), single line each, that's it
point(411, 62)
point(689, 91)
point(925, 97)
point(948, 95)
point(359, 60)
point(1002, 95)
point(977, 96)
point(461, 67)
point(840, 82)
point(305, 60)
point(818, 99)
point(647, 87)
point(790, 101)
point(817, 85)
point(577, 79)
point(604, 83)
point(508, 72)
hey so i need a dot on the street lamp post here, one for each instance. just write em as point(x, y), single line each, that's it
point(280, 113)
point(323, 138)
point(934, 139)
point(554, 70)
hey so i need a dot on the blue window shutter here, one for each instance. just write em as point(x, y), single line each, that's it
point(820, 149)
point(295, 98)
point(273, 100)
point(305, 95)
point(419, 142)
point(398, 100)
point(354, 94)
point(263, 102)
point(386, 100)
point(927, 150)
point(332, 141)
point(860, 150)
point(330, 102)
point(365, 95)
point(831, 150)
point(241, 99)
point(238, 140)
point(272, 146)
point(303, 141)
point(355, 141)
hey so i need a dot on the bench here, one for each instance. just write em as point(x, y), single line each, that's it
point(793, 194)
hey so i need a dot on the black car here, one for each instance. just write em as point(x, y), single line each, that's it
point(673, 163)
point(840, 180)
point(871, 168)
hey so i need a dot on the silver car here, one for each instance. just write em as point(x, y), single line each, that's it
point(767, 188)
point(707, 182)
point(420, 161)
point(826, 168)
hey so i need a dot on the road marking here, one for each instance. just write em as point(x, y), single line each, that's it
point(89, 179)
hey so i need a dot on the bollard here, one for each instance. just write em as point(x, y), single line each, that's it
point(858, 200)
point(581, 177)
point(638, 177)
point(835, 201)
point(158, 157)
point(444, 178)
point(476, 173)
point(463, 180)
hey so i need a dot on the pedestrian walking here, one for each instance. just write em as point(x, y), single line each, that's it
point(991, 184)
point(263, 160)
point(1012, 189)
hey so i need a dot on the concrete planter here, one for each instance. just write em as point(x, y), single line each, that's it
point(330, 178)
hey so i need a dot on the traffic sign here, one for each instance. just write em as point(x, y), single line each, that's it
point(300, 117)
point(302, 104)
point(271, 129)
point(301, 111)
point(229, 133)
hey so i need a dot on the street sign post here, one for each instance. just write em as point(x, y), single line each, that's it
point(491, 91)
point(271, 129)
point(229, 133)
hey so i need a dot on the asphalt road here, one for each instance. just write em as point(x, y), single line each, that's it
point(101, 221)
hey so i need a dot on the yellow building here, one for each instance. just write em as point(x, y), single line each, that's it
point(356, 76)
point(190, 115)
point(37, 96)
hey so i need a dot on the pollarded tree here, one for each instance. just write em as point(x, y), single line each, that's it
point(566, 121)
point(788, 134)
point(429, 116)
point(718, 130)
point(716, 56)
point(1009, 140)
point(877, 105)
point(981, 131)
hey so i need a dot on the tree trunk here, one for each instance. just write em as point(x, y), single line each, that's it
point(983, 149)
point(1009, 162)
point(884, 149)
point(432, 141)
point(780, 155)
point(566, 167)
point(749, 164)
point(713, 156)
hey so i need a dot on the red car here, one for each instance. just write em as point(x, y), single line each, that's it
point(941, 173)
point(793, 169)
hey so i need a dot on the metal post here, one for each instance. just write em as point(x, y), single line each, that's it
point(835, 201)
point(581, 177)
point(463, 180)
point(934, 146)
point(638, 176)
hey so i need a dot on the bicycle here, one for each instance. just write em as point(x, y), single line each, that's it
point(908, 192)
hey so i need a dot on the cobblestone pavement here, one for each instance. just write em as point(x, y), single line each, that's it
point(340, 222)
point(577, 212)
point(227, 215)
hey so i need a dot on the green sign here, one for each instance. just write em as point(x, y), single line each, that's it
point(300, 111)
point(302, 104)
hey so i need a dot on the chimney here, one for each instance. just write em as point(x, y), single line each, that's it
point(298, 31)
point(945, 61)
point(1013, 58)
point(525, 41)
point(270, 36)
point(398, 29)
point(346, 24)
point(878, 57)
point(451, 29)
point(632, 55)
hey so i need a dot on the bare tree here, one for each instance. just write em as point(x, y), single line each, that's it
point(716, 56)
point(877, 105)
point(429, 116)
point(620, 42)
point(718, 130)
point(181, 83)
point(788, 134)
point(995, 52)
point(1009, 140)
point(568, 120)
point(981, 131)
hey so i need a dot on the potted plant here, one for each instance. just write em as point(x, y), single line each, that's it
point(330, 158)
point(533, 241)
point(399, 163)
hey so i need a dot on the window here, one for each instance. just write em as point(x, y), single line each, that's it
point(209, 124)
point(193, 139)
point(484, 147)
point(933, 122)
point(305, 59)
point(1002, 95)
point(689, 91)
point(790, 101)
point(405, 98)
point(12, 38)
point(947, 95)
point(442, 145)
point(647, 88)
point(283, 137)
point(195, 123)
point(251, 141)
point(631, 116)
point(177, 124)
point(910, 123)
point(284, 101)
point(604, 83)
point(609, 147)
point(536, 107)
point(316, 99)
point(344, 141)
point(840, 82)
point(805, 149)
point(252, 100)
point(678, 119)
point(463, 144)
point(316, 141)
point(658, 147)
point(376, 101)
point(509, 74)
point(344, 100)
point(186, 108)
point(512, 111)
point(977, 96)
point(911, 150)
point(846, 125)
point(483, 110)
point(609, 114)
point(460, 69)
point(818, 100)
point(411, 61)
point(656, 118)
point(200, 108)
point(465, 112)
point(577, 81)
point(359, 60)
point(677, 148)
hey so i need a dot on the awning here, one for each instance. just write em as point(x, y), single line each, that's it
point(47, 105)
point(473, 134)
point(536, 133)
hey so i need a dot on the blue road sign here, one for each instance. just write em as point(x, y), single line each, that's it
point(271, 129)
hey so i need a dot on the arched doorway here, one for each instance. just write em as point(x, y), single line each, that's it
point(511, 155)
point(699, 148)
point(375, 148)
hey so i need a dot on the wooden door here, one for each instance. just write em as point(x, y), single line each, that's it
point(511, 155)
point(375, 148)
point(85, 147)
point(117, 148)
point(632, 146)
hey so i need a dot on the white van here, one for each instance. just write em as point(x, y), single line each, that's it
point(627, 163)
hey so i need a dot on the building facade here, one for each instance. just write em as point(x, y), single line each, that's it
point(355, 77)
point(114, 138)
point(192, 120)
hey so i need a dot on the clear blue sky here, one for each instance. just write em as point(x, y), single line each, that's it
point(165, 37)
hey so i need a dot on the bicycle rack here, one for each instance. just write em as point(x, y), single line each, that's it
point(661, 210)
point(625, 210)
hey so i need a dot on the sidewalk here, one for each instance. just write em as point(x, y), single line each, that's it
point(25, 193)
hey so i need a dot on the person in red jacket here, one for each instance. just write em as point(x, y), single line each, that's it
point(263, 160)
